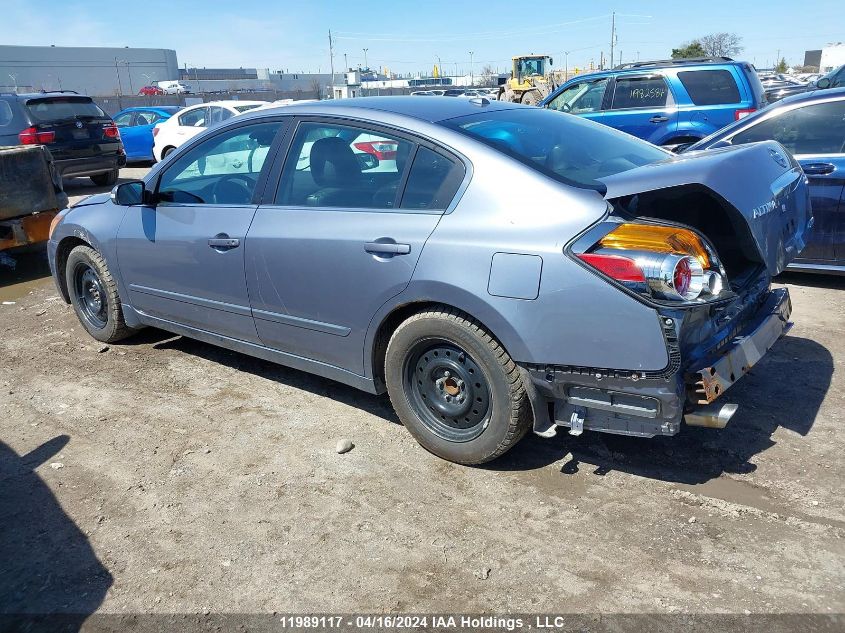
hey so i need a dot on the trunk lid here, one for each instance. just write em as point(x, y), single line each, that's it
point(78, 124)
point(761, 181)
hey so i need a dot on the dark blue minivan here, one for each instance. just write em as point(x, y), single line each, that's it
point(668, 102)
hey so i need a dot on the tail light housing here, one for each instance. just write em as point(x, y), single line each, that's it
point(31, 136)
point(155, 131)
point(110, 131)
point(666, 263)
point(383, 150)
point(741, 114)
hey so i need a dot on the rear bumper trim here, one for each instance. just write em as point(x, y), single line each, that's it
point(710, 379)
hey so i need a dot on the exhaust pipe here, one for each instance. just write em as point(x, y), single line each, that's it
point(712, 416)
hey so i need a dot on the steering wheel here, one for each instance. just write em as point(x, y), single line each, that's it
point(232, 189)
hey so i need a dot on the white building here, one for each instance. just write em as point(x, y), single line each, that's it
point(833, 56)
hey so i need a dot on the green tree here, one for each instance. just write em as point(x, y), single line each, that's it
point(781, 67)
point(688, 50)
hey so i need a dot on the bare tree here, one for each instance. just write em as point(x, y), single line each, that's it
point(487, 73)
point(721, 44)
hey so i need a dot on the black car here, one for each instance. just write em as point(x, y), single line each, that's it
point(83, 140)
point(811, 126)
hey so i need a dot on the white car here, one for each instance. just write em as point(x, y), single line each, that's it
point(174, 87)
point(187, 123)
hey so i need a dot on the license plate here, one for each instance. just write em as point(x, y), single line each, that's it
point(80, 134)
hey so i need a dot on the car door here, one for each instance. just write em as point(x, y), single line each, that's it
point(182, 257)
point(815, 134)
point(352, 211)
point(136, 135)
point(643, 106)
point(584, 98)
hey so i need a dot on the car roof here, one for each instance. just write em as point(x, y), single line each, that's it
point(41, 95)
point(169, 109)
point(645, 67)
point(431, 110)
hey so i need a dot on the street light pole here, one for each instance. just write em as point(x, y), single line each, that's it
point(366, 66)
point(117, 72)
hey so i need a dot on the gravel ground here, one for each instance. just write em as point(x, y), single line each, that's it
point(166, 475)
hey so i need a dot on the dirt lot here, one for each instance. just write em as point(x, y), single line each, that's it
point(166, 475)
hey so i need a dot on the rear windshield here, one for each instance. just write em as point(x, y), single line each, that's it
point(244, 108)
point(710, 87)
point(56, 108)
point(563, 146)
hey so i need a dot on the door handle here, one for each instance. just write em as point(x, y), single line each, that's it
point(223, 242)
point(658, 119)
point(818, 169)
point(387, 248)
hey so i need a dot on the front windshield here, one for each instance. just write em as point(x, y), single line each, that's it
point(565, 147)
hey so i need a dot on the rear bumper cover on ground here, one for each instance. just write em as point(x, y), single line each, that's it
point(646, 404)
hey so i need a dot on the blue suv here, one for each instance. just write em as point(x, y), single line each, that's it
point(667, 102)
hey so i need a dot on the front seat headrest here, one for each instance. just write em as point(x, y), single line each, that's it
point(333, 163)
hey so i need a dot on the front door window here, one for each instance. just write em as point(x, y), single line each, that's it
point(222, 170)
point(581, 97)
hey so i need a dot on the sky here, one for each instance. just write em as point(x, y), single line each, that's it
point(407, 36)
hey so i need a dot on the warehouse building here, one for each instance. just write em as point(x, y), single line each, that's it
point(87, 70)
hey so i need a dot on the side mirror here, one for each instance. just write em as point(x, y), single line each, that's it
point(129, 193)
point(823, 83)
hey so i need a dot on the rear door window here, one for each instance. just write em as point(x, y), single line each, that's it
point(58, 108)
point(433, 181)
point(124, 120)
point(331, 165)
point(814, 129)
point(710, 87)
point(640, 92)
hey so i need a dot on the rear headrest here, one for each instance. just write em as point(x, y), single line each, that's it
point(333, 163)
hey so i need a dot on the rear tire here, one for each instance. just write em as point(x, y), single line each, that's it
point(455, 387)
point(166, 152)
point(93, 294)
point(107, 179)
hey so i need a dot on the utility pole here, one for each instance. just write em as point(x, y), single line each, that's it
point(612, 36)
point(366, 66)
point(345, 63)
point(331, 61)
point(471, 71)
point(117, 72)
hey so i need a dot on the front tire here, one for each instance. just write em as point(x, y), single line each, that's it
point(93, 294)
point(455, 387)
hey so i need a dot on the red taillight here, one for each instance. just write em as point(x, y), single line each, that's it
point(739, 114)
point(155, 130)
point(31, 136)
point(615, 266)
point(383, 150)
point(110, 131)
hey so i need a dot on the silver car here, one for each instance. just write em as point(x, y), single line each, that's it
point(495, 268)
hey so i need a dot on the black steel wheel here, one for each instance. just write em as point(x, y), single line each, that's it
point(93, 301)
point(93, 293)
point(454, 386)
point(447, 390)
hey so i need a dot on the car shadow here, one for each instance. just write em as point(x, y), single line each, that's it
point(786, 389)
point(52, 579)
point(375, 405)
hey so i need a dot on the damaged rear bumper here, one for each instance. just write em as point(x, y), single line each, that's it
point(646, 404)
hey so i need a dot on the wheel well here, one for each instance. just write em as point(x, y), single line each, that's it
point(678, 140)
point(62, 252)
point(394, 320)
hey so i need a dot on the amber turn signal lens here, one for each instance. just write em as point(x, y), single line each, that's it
point(659, 239)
